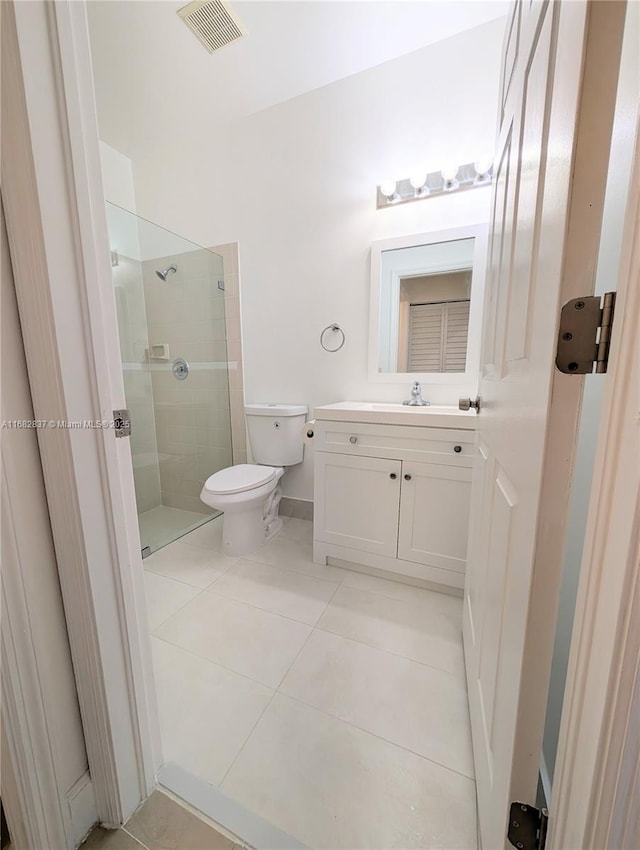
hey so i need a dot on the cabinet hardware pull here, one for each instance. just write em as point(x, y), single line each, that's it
point(353, 439)
point(393, 475)
point(457, 449)
point(407, 478)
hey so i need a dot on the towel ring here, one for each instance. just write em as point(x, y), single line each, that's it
point(336, 329)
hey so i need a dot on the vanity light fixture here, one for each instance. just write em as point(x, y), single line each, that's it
point(450, 179)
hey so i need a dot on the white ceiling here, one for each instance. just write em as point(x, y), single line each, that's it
point(152, 74)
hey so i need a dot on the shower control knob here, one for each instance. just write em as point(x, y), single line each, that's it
point(457, 449)
point(407, 478)
point(180, 369)
point(353, 439)
point(393, 476)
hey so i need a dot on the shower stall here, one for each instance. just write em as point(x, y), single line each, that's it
point(170, 305)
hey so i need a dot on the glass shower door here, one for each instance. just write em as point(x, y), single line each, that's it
point(171, 316)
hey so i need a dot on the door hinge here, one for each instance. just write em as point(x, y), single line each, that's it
point(527, 827)
point(584, 336)
point(122, 422)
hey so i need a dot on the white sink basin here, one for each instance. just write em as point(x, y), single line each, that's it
point(438, 416)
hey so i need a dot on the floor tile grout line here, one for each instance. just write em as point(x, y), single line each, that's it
point(173, 613)
point(266, 610)
point(244, 743)
point(276, 691)
point(313, 628)
point(188, 584)
point(338, 582)
point(181, 581)
point(289, 570)
point(375, 735)
point(131, 835)
point(460, 674)
point(221, 595)
point(394, 654)
point(215, 663)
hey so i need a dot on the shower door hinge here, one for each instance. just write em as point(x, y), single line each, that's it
point(122, 422)
point(527, 827)
point(584, 336)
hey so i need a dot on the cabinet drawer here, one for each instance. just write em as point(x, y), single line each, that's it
point(449, 446)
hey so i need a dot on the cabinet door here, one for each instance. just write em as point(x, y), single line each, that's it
point(357, 501)
point(434, 515)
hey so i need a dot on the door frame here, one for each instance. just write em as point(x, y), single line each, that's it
point(57, 232)
point(54, 199)
point(596, 789)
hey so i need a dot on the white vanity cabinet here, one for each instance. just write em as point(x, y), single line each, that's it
point(394, 497)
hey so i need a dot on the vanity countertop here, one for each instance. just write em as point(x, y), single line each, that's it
point(380, 413)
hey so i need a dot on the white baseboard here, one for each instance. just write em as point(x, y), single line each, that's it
point(407, 571)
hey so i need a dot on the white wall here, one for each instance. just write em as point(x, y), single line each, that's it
point(295, 185)
point(117, 178)
point(125, 238)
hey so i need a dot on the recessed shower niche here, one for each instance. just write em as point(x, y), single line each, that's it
point(169, 295)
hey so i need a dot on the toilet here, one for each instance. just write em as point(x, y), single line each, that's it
point(248, 493)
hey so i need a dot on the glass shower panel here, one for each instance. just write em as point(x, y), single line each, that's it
point(171, 316)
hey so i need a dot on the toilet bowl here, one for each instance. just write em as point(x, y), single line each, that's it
point(248, 493)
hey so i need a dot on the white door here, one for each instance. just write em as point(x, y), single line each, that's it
point(556, 103)
point(40, 708)
point(434, 517)
point(357, 501)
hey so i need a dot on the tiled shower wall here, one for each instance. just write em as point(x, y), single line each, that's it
point(132, 324)
point(187, 313)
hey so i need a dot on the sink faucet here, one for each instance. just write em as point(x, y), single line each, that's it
point(416, 399)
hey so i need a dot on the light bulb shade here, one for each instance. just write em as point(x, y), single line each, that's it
point(418, 181)
point(449, 172)
point(388, 188)
point(483, 166)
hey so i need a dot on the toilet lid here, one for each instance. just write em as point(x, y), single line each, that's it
point(237, 479)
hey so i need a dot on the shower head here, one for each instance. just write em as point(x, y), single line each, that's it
point(164, 273)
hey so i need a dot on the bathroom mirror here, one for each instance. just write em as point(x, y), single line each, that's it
point(426, 306)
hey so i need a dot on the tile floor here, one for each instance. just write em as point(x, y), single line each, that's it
point(161, 824)
point(329, 702)
point(160, 525)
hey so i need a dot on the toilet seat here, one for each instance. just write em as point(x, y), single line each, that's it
point(239, 479)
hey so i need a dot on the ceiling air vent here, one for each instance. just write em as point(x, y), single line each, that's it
point(214, 23)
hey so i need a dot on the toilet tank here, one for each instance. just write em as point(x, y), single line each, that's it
point(276, 432)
